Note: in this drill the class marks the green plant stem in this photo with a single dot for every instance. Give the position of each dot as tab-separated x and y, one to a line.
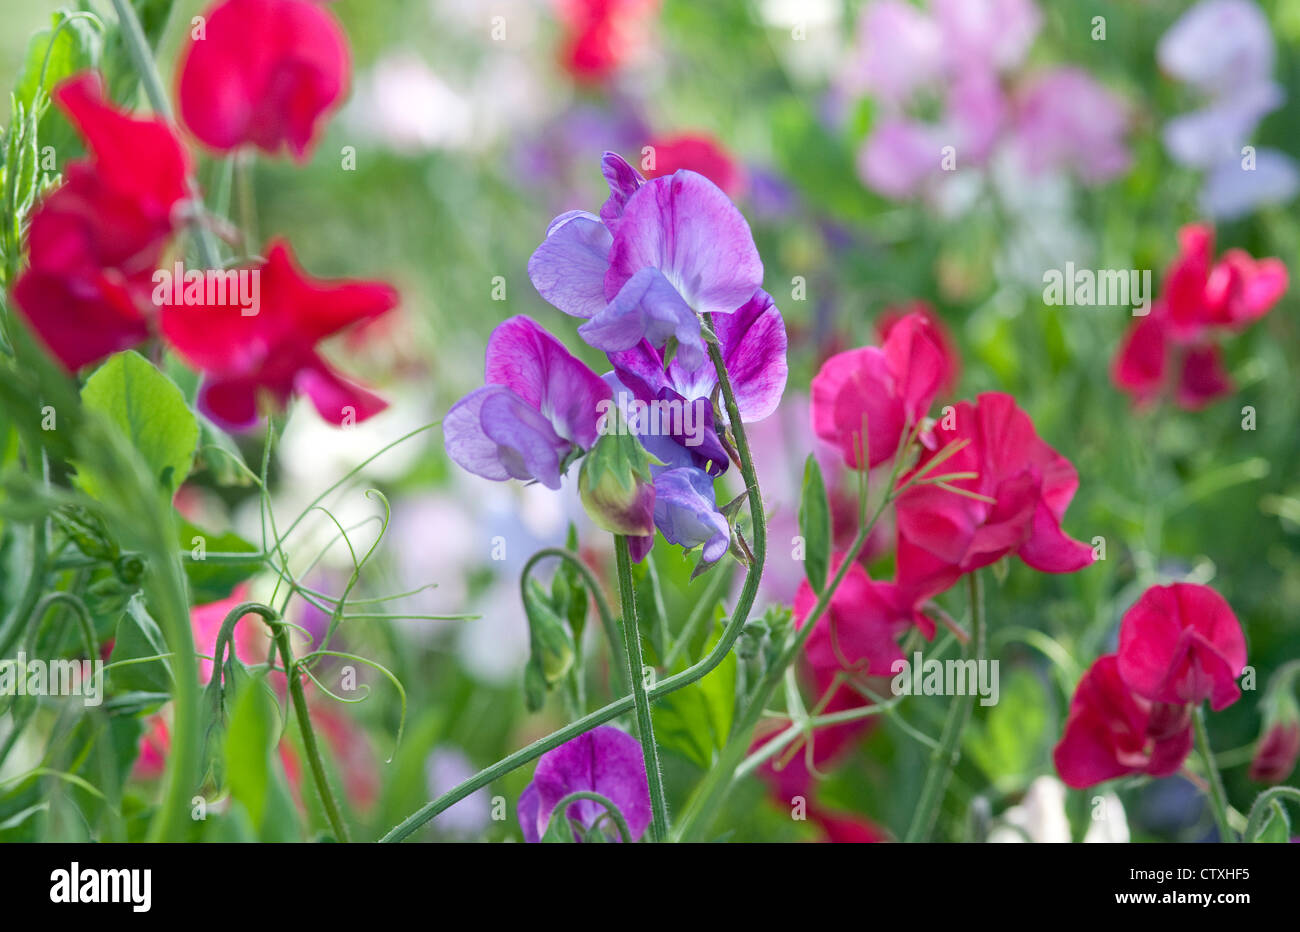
944	758
669	684
640	698
1260	808
147	69
617	659
310	746
1218	798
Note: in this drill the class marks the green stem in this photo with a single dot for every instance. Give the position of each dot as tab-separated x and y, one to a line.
640	698
618	661
611	810
668	684
307	732
1218	798
944	758
1260	809
138	46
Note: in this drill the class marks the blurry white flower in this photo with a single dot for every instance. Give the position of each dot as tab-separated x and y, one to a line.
1040	817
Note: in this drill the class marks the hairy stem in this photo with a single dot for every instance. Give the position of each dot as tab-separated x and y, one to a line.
617	659
1218	798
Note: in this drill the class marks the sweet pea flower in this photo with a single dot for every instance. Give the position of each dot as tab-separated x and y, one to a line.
1065	118
272	353
1200	299
264	72
604	760
1111	731
1024	487
1277	752
602	35
859	630
540	401
96	239
883	390
661	253
1224	50
933	327
1182	644
698	153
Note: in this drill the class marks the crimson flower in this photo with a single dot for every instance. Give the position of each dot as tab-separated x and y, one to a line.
273	352
881	390
600	35
1024	487
96	239
1111	731
1276	754
697	153
1176	344
933	327
264	72
1182	644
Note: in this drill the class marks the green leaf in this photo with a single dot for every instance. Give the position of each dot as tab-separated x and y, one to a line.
212	582
150	411
1006	739
552	644
77	47
138	635
815	525
1277	829
696	721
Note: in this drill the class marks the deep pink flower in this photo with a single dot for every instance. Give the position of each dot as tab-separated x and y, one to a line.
933	327
698	153
1182	644
942	535
264	73
1276	753
273	353
1111	731
601	35
95	241
882	390
859	630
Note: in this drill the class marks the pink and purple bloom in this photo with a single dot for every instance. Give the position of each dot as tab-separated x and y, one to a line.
539	407
606	761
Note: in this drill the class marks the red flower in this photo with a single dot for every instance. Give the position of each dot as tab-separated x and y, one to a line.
95	241
933	328
859	629
1026	487
1276	753
881	389
1111	731
602	34
700	154
263	72
1176	341
1182	644
273	352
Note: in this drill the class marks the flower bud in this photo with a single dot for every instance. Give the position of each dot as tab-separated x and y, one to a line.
615	484
1279	744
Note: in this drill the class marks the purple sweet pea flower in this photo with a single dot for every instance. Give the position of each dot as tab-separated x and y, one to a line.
604	760
660	254
539	402
753	344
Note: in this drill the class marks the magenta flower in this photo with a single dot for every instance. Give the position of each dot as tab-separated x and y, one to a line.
661	253
604	760
540	401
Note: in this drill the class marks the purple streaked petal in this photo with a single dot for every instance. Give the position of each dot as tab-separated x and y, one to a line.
537	367
568	269
684	226
494	433
624	180
753	347
647	308
686	511
527	812
604	760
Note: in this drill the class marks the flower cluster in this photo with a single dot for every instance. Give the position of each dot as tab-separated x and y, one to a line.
263	73
1179	645
960	52
668	265
1174	348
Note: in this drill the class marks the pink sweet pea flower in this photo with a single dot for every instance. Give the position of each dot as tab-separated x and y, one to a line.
1182	644
95	240
1065	118
698	153
1111	731
1024	486
272	353
933	327
263	73
883	391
